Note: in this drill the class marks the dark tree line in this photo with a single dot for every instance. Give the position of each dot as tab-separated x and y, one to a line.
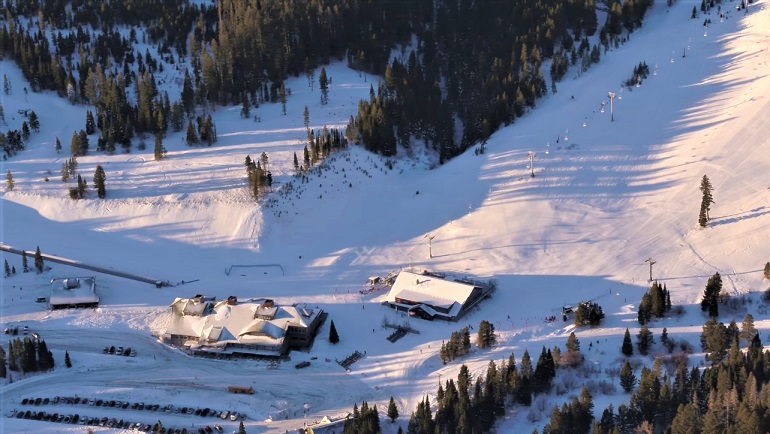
470	405
472	63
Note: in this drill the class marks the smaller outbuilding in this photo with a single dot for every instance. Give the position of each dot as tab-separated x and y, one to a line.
73	292
431	296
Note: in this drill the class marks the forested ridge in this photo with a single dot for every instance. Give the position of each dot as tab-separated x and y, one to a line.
461	69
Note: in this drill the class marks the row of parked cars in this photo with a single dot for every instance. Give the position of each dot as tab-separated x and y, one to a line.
119	351
14	330
107	422
203	412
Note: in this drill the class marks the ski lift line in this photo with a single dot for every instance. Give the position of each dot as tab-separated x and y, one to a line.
74	263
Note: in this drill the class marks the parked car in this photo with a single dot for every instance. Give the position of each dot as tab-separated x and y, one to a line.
301	365
225	414
218	428
26	330
234	415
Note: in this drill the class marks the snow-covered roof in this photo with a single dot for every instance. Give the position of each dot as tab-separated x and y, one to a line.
429	289
73	291
235	323
189	306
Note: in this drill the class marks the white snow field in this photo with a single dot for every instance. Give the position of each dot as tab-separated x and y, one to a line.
605	197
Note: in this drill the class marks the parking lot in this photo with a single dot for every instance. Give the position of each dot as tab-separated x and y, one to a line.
80	405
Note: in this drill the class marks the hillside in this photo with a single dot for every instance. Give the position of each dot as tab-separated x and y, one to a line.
606	196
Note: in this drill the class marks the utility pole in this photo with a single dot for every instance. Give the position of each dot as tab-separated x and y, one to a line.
430	247
532	156
612	108
651	262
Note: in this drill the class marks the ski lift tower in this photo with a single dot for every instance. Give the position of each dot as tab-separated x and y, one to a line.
612	108
430	247
532	156
651	263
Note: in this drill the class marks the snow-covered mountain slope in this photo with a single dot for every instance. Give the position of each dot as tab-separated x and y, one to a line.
606	195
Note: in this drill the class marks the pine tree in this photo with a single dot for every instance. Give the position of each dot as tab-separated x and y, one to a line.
766	271
627	378
75	144
57	145
706	201
282	97
333	336
241	428
710	302
747	328
245	106
25	132
67	361
90	123
306	119
82	188
323	83
7	269
99	182
83	144
34	121
188	93
486	334
9	183
160	151
573	344
192	135
644	340
296	162
3	371
627	348
39	266
24	265
645	309
392	410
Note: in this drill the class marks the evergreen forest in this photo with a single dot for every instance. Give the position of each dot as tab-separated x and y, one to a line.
453	71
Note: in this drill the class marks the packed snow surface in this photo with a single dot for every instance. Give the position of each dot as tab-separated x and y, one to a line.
606	196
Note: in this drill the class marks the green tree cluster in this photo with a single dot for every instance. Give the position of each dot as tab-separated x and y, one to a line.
655	303
458	345
28	355
364	421
588	313
486	335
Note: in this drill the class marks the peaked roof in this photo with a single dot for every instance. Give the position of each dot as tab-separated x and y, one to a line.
429	289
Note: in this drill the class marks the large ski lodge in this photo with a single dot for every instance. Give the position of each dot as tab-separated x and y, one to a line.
232	328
